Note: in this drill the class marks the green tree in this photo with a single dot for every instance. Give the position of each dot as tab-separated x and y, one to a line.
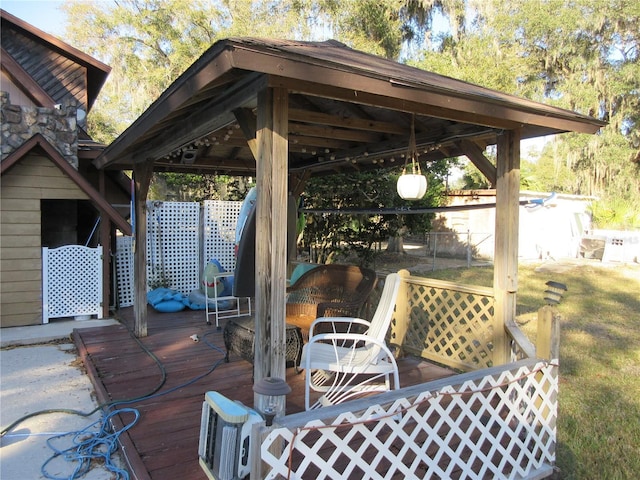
331	234
149	43
580	55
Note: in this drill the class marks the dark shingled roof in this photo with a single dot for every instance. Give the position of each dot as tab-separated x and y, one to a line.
348	110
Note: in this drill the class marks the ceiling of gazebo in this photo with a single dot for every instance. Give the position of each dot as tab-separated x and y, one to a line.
347	111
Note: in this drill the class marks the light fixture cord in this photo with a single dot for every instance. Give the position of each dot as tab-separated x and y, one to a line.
412	152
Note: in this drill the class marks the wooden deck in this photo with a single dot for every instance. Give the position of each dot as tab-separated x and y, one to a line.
164	442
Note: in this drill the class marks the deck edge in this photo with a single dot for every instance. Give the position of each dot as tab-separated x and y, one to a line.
135	465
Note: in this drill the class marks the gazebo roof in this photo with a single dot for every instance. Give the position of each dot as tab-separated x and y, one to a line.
348	111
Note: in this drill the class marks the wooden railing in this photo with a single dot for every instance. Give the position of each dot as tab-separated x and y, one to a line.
494	421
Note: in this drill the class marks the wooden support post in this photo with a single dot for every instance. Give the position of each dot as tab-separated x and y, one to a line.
402	314
142	173
105	240
505	273
271	234
548	334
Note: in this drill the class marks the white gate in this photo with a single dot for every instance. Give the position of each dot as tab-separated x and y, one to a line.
71	282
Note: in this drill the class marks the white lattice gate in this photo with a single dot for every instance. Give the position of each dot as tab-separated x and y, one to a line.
71	282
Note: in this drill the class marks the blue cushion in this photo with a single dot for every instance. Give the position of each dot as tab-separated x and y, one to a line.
169	306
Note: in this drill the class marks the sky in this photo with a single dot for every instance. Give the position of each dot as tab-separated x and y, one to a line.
43	14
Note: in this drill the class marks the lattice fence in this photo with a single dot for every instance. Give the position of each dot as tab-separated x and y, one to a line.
495	423
178	245
449	323
71	282
124	270
173	245
219	221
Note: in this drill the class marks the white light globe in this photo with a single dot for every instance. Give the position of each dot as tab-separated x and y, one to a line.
412	186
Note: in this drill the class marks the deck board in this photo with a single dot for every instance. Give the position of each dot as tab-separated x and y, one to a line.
163	445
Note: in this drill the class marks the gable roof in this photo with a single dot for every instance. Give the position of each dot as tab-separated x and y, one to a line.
56	69
348	110
39	142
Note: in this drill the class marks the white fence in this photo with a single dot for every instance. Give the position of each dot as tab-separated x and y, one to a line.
181	238
71	282
219	221
493	423
173	245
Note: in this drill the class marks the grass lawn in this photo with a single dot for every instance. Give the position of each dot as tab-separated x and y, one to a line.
599	400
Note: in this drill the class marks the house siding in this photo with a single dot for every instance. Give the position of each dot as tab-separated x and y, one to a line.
32	179
14	92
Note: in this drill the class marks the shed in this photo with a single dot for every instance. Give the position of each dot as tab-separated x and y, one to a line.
51	193
284	110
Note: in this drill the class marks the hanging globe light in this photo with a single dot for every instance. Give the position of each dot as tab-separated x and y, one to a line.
412	186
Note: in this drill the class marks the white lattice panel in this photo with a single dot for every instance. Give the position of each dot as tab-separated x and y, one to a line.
72	282
173	245
496	423
124	270
219	231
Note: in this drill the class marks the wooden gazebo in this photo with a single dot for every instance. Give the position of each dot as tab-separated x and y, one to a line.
284	110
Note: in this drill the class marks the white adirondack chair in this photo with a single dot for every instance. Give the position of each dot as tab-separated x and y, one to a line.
344	364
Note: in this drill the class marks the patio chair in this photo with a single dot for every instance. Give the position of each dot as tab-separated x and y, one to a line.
328	291
343	364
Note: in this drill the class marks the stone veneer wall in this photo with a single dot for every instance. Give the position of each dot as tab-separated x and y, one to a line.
57	125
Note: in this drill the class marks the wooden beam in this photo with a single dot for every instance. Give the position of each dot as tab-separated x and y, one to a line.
271	244
482	163
176	95
505	270
342	122
248	124
299	182
384	93
215	114
323	131
142	173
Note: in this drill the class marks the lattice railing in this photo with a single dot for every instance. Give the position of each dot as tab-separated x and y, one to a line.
446	322
496	423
